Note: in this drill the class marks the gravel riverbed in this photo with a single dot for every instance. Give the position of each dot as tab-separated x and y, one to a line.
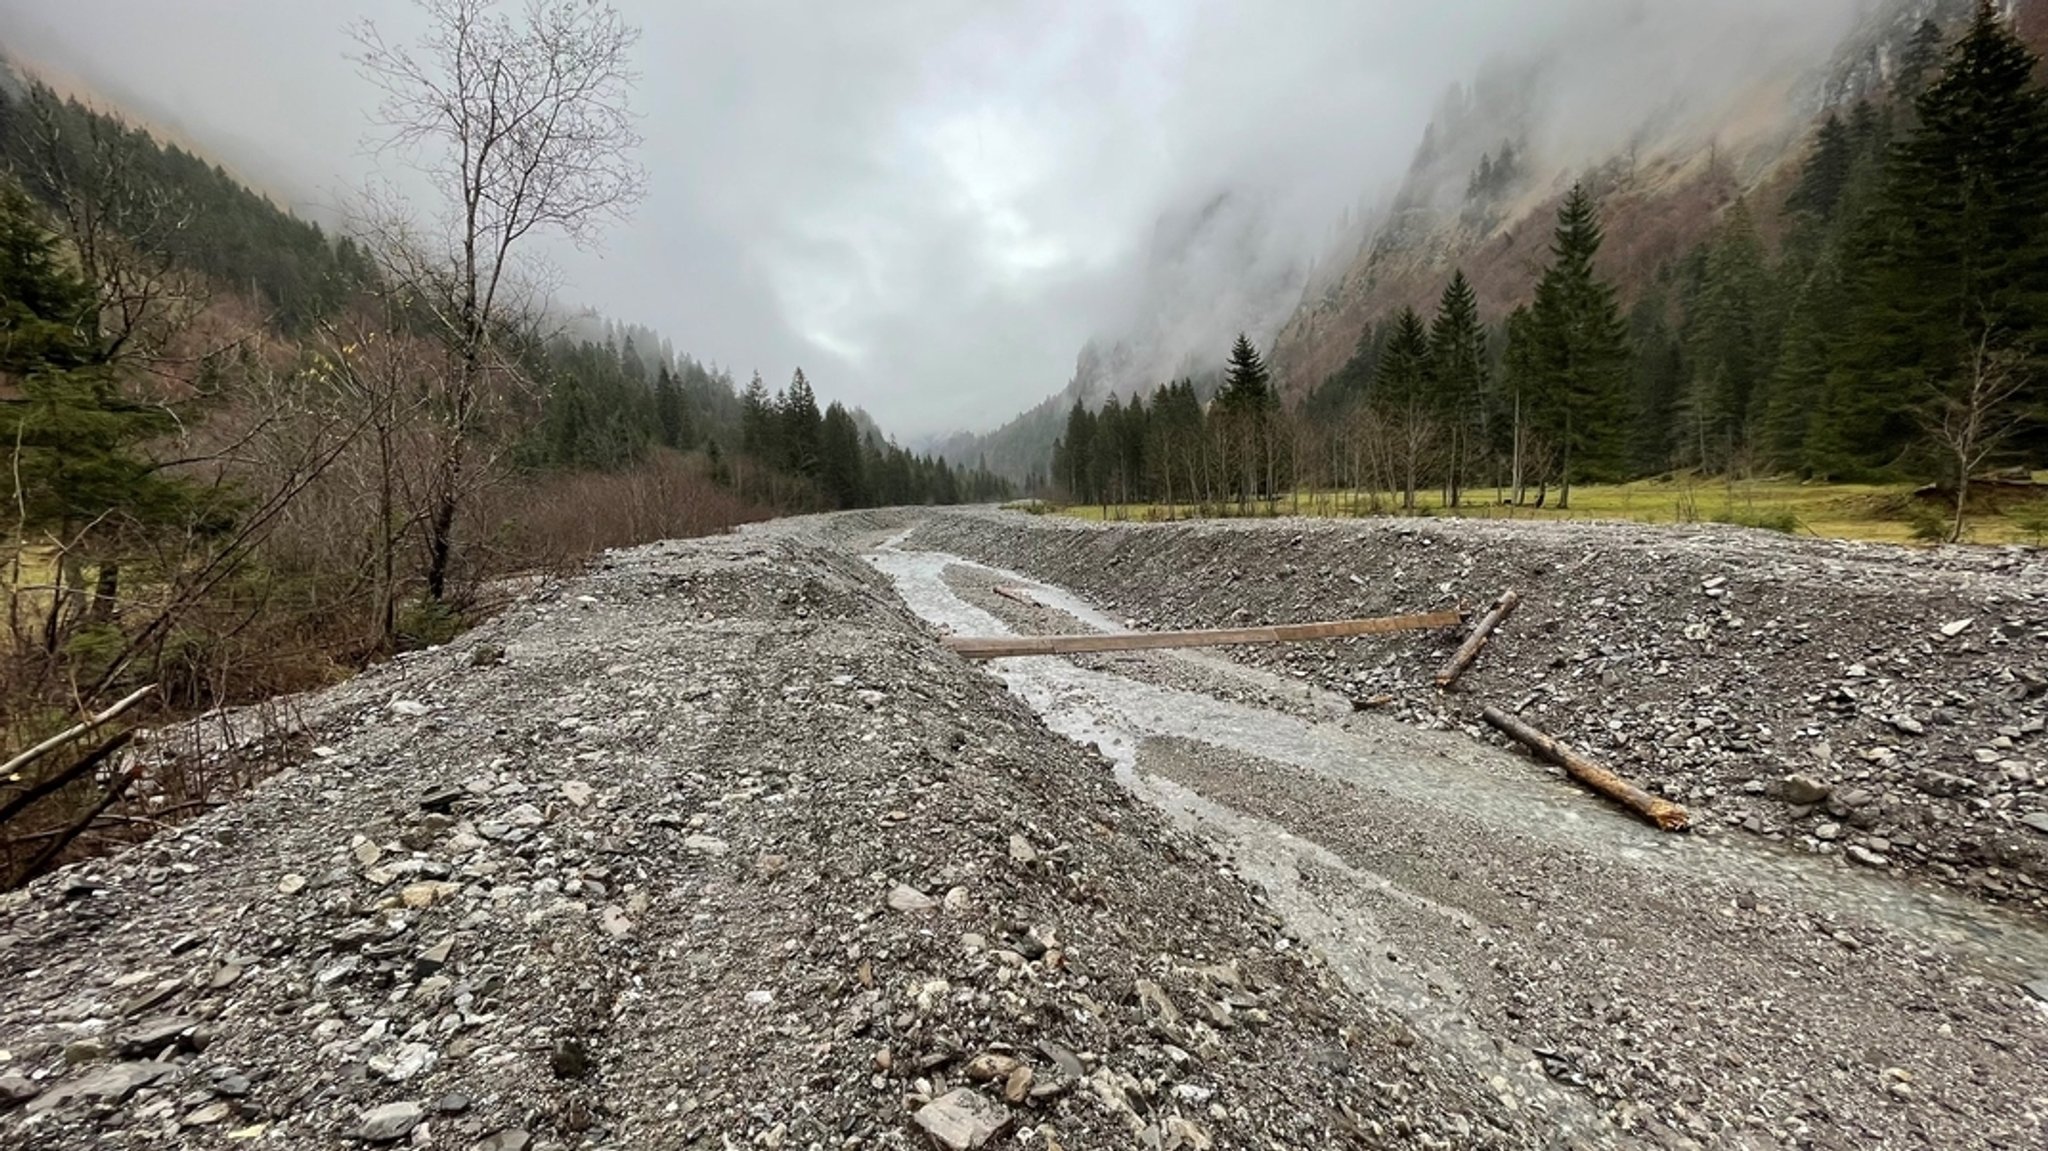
1877	705
711	847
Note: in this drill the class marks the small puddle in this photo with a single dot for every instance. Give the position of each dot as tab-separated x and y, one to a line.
1116	714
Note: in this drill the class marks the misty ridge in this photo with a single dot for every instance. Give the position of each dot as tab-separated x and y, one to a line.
1571	87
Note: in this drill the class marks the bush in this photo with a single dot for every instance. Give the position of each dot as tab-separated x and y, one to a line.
428	623
1928	524
2033	520
1774	520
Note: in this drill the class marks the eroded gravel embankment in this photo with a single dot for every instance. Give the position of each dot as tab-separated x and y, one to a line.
713	847
1874	704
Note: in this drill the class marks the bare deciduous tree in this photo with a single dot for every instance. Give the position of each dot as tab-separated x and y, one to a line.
1972	419
521	123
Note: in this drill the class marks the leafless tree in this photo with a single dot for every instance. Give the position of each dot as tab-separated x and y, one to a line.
521	124
1975	416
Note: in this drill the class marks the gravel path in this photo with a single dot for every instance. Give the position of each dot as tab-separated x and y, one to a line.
713	847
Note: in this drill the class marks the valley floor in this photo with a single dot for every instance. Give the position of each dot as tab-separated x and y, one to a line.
716	846
1891	513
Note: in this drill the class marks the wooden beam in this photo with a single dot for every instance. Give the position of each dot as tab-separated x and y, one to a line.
1020	595
1469	650
1004	647
1662	812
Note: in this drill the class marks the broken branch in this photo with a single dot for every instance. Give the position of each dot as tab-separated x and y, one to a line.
1474	643
1665	814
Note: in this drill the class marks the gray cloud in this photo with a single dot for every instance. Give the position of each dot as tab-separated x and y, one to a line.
931	205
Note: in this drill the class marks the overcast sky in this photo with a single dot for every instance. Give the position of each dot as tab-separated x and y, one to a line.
927	205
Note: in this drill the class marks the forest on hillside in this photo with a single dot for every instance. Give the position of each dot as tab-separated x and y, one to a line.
1888	324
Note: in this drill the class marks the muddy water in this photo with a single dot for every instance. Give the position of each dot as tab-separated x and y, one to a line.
1117	714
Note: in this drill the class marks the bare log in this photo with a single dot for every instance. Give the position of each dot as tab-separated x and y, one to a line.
1476	642
1019	595
1663	813
58	740
1002	647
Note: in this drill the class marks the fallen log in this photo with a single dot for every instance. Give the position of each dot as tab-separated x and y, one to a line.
1003	647
1474	643
1017	594
1663	813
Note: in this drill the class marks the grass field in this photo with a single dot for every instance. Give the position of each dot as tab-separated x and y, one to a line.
1881	512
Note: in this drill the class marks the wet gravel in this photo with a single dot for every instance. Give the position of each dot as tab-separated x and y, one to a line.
1880	706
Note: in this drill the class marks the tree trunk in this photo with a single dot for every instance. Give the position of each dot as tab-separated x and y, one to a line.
1517	467
387	592
1955	533
106	590
441	524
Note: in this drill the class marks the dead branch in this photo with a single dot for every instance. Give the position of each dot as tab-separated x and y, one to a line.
1664	814
1476	642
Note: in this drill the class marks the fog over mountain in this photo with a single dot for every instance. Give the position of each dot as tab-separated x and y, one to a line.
931	207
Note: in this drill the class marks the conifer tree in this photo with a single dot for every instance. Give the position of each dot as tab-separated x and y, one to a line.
668	409
1247	385
1826	172
1579	358
1403	396
1800	379
77	470
758	427
841	472
1457	353
1922	54
802	427
1660	377
1733	335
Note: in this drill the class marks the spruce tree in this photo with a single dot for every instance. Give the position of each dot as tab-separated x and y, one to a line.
78	470
1826	172
1799	383
1660	378
1073	454
1732	336
1457	354
802	427
1922	54
841	473
1402	396
1247	385
1580	356
668	408
758	426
